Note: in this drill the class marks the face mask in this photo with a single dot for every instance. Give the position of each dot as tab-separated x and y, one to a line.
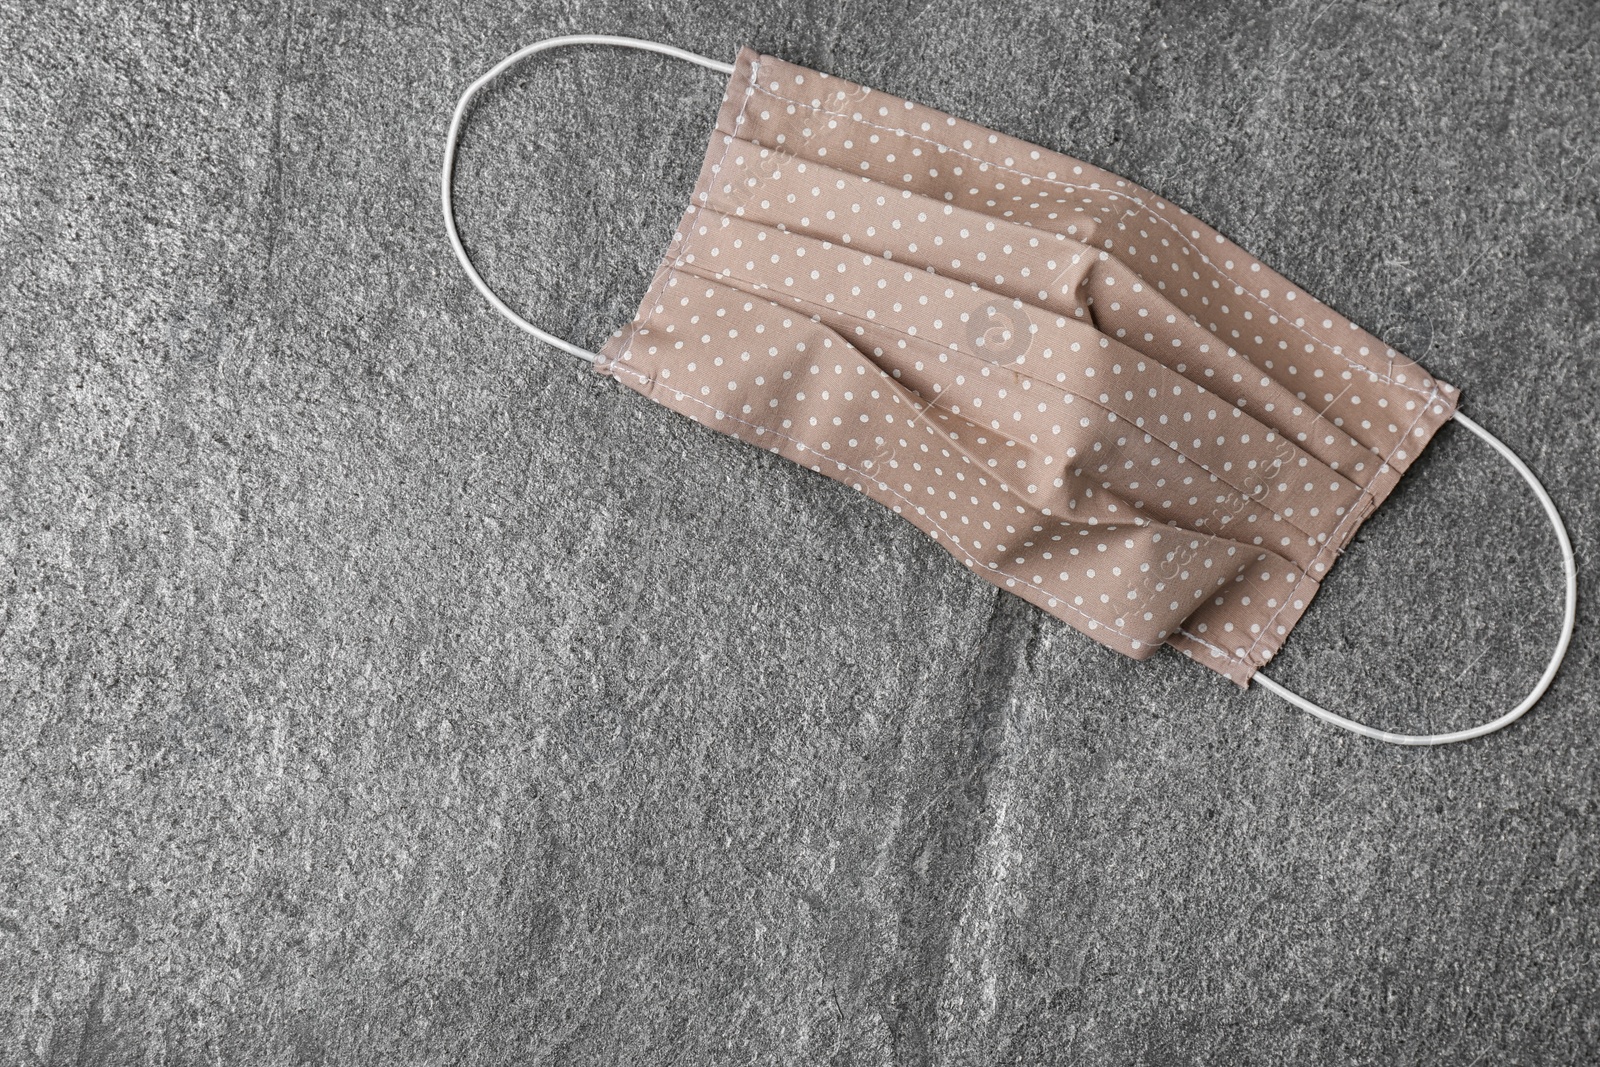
1089	397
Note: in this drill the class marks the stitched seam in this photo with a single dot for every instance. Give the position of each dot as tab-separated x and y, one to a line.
1331	548
1126	196
1327	549
1197	639
688	230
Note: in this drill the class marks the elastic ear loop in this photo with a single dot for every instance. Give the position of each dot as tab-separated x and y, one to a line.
1568	562
1568	621
447	179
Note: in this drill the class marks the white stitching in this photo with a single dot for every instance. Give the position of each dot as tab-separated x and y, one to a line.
1333	538
1330	547
689	225
1219	653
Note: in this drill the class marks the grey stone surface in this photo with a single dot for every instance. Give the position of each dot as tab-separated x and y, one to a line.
380	687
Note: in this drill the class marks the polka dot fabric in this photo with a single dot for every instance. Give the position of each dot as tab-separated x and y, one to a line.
1088	396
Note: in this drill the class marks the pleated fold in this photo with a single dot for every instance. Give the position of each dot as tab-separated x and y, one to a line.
1087	396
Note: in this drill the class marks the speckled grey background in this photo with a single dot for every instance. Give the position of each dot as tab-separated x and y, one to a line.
380	687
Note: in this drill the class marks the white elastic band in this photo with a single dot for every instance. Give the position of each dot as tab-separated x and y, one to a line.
448	177
1568	562
1568	621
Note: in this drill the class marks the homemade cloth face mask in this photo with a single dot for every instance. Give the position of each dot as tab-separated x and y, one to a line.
1089	397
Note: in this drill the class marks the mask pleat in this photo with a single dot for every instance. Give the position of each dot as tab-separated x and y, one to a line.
1066	375
1083	392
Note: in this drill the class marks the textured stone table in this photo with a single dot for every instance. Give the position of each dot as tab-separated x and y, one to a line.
378	686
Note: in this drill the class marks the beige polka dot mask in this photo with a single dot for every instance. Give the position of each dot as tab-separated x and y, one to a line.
1088	396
